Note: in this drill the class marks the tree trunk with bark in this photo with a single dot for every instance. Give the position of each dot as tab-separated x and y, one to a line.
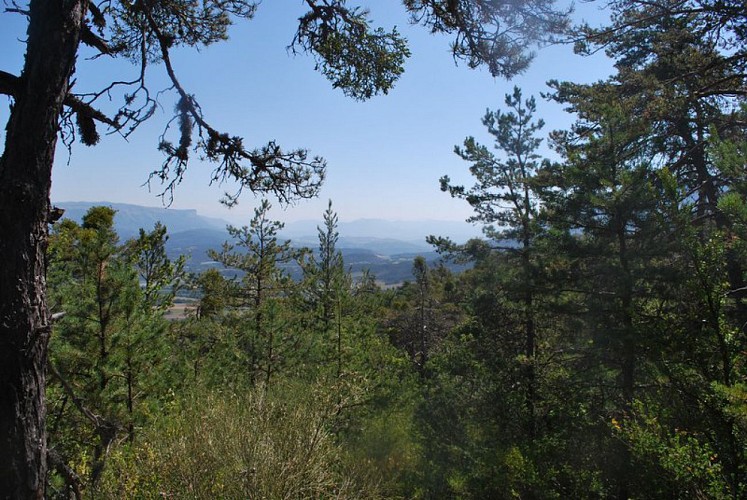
25	182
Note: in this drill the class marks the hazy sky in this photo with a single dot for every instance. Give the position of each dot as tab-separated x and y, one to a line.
385	155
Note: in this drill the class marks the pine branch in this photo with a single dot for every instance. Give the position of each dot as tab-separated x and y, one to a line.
10	85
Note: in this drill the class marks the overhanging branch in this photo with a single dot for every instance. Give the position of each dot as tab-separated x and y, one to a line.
10	85
289	175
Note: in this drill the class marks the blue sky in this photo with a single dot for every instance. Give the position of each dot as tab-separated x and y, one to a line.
385	155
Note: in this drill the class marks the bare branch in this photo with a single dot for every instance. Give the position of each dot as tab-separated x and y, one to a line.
86	115
16	9
9	84
287	174
89	38
70	476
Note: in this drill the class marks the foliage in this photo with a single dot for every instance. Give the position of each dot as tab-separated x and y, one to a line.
253	444
160	277
359	60
503	197
263	284
594	349
107	350
496	35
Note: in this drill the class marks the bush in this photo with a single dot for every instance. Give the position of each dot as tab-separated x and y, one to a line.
259	444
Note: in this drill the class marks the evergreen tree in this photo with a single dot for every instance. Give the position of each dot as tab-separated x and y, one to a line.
605	196
155	270
260	259
106	349
215	291
324	272
680	67
423	312
505	202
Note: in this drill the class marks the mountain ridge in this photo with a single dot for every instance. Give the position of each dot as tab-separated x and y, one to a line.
131	217
388	253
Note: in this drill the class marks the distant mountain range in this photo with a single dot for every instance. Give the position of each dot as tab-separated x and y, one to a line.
130	218
385	248
411	231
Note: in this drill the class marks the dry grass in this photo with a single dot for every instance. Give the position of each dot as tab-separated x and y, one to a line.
253	445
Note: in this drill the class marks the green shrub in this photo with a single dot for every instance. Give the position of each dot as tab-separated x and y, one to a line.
258	444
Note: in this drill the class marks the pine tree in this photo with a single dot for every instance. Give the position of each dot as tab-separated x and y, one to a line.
680	75
505	201
107	347
156	271
324	272
259	255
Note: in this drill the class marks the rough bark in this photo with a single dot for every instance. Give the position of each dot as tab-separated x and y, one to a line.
25	182
628	361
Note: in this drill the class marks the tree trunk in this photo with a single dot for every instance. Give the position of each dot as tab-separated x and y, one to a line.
628	361
25	181
530	346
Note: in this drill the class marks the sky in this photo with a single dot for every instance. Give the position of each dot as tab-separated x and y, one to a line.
385	155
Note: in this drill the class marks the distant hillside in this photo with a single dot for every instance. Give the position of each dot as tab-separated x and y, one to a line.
385	246
409	231
387	252
389	260
195	244
130	218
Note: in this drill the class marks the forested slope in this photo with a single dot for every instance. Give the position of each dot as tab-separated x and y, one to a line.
600	356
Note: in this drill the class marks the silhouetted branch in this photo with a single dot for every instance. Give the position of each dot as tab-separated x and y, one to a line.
287	174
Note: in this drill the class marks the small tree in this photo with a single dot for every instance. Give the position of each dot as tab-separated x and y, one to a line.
325	288
263	279
506	202
110	338
159	276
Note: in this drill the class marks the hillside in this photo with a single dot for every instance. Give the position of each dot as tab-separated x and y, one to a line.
130	218
385	248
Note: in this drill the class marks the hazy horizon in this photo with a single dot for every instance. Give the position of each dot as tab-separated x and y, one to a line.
412	230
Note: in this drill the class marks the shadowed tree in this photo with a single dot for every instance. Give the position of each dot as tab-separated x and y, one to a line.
505	201
679	85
